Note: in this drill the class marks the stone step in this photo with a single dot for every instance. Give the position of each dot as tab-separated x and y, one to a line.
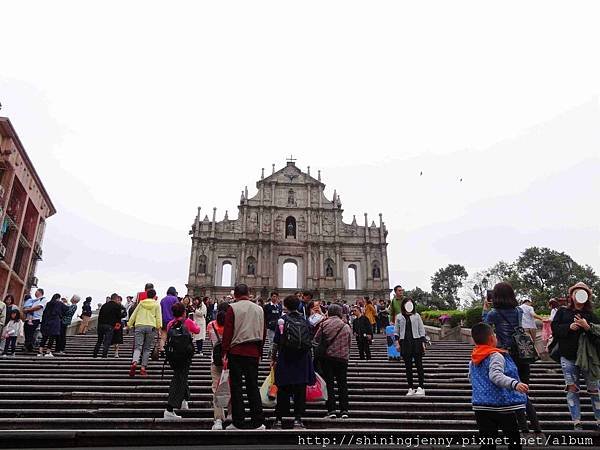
75	399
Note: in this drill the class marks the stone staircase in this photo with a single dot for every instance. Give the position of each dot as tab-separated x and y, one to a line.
75	400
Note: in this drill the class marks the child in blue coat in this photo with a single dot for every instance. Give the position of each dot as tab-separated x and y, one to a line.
497	390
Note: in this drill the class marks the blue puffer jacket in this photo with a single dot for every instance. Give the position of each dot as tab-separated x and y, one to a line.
505	321
493	391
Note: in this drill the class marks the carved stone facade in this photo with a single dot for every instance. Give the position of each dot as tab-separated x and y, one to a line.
289	221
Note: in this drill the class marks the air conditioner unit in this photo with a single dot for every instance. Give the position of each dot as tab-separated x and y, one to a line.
2	251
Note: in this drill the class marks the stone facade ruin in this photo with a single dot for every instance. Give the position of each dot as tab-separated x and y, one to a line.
289	222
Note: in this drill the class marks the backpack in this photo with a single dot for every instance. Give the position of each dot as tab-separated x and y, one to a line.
179	347
297	335
217	352
523	347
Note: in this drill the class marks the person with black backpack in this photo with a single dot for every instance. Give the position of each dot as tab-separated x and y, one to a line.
179	351
293	364
507	317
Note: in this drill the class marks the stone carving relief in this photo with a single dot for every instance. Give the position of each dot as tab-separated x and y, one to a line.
291	198
252	222
266	227
328	227
279	225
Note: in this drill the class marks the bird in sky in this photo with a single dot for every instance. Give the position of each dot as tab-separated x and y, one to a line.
421	173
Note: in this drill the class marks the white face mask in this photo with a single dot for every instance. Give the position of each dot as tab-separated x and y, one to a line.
409	307
581	296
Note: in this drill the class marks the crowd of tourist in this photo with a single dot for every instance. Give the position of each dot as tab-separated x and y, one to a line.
307	338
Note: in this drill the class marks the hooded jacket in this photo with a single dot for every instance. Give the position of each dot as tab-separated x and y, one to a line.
147	313
494	377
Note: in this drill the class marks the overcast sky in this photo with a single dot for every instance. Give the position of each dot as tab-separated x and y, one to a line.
136	113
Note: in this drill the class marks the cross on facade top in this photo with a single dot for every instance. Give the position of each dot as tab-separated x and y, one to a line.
291	159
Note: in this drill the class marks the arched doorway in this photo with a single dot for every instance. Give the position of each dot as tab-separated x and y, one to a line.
290	274
352	270
226	273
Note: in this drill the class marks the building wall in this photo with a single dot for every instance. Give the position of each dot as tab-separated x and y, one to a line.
25	206
261	240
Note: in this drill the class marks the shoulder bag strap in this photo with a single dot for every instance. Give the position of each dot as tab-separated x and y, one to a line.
217	333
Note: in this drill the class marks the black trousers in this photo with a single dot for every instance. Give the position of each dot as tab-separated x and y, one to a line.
529	413
364	347
30	331
489	422
179	389
336	373
48	341
105	334
244	367
9	346
298	392
408	365
61	340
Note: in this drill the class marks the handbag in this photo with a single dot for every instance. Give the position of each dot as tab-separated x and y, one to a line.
318	391
267	387
217	352
553	350
223	393
523	348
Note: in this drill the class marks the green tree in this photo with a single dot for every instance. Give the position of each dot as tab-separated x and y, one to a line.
424	299
475	288
445	284
543	273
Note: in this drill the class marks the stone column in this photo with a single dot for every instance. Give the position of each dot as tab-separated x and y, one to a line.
259	263
369	275
321	271
214	223
243	267
211	269
273	272
193	259
339	281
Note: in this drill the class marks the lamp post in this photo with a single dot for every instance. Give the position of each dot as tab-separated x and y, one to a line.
481	289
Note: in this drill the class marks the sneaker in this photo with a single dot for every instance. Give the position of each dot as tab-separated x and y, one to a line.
260	427
60	353
184	405
116	354
200	354
578	426
420	392
40	354
4	355
331	415
344	415
298	425
49	355
143	372
410	392
132	369
276	425
232	427
168	415
218	425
